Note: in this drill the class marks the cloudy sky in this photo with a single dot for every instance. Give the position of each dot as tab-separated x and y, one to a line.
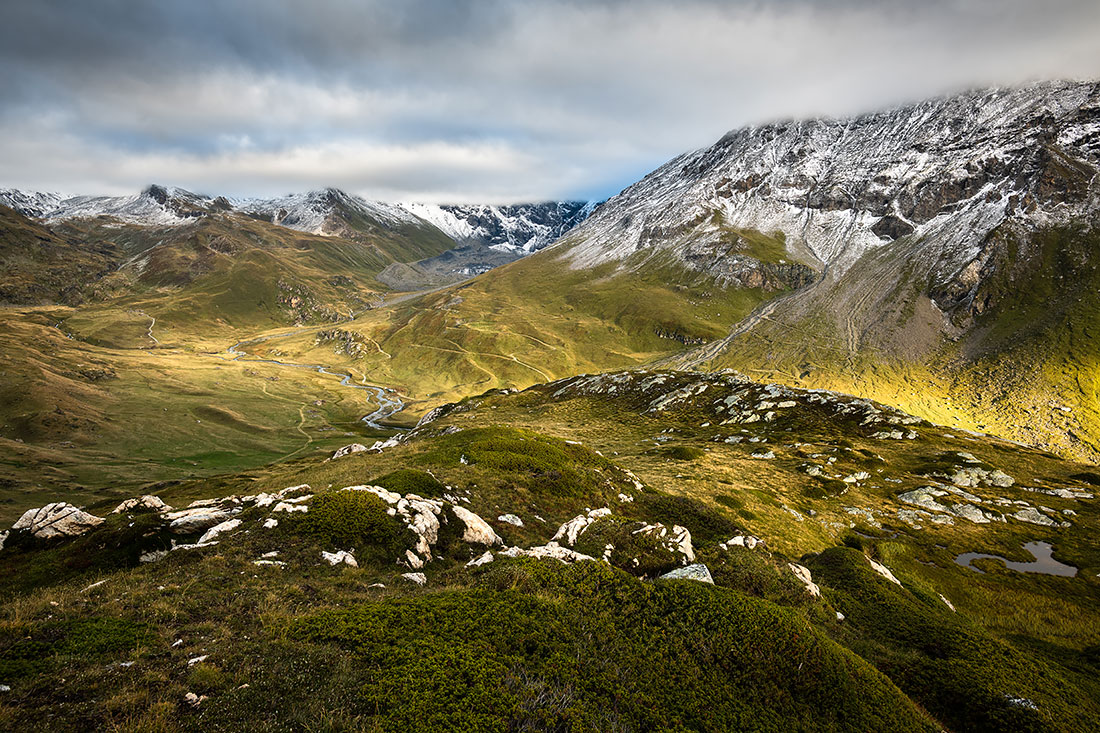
460	101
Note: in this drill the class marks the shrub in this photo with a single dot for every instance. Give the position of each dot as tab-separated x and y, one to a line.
346	519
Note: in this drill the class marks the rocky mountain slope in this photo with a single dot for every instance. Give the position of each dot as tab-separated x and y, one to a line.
483	236
939	256
630	551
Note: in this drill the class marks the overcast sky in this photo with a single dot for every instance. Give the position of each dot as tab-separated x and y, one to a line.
491	101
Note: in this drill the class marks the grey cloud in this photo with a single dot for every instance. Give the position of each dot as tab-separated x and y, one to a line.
547	99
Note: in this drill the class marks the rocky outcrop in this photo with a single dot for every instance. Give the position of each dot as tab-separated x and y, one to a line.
146	503
697	571
56	520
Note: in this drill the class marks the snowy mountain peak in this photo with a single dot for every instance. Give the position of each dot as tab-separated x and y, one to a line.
953	168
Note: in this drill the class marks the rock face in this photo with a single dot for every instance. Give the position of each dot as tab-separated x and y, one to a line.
56	520
953	168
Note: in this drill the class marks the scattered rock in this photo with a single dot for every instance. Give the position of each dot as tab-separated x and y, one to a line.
271	523
484	559
153	556
347	450
576	526
217	529
193	700
516	521
59	519
550	550
946	602
478	531
142	503
803	573
188	521
418	578
197	660
340	556
883	571
1033	516
697	571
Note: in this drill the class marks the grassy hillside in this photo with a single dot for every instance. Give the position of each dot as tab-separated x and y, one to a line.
533	320
536	644
1010	353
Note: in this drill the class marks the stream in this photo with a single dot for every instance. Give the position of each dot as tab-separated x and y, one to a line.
1044	561
388	401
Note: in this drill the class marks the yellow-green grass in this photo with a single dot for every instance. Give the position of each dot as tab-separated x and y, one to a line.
82	421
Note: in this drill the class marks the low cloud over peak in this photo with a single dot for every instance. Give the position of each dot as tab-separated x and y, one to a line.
472	101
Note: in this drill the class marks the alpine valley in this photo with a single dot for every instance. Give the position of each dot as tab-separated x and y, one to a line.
798	432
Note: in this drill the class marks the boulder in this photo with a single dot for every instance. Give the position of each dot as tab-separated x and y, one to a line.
803	573
217	529
478	531
418	578
698	571
340	556
146	503
347	450
56	520
197	519
517	522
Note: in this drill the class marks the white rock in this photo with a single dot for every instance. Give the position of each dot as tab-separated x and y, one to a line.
56	520
146	502
803	573
272	563
1033	516
94	585
946	602
484	559
197	660
273	553
697	571
193	700
576	526
839	616
3	538
271	523
478	531
347	450
153	556
767	456
340	556
289	508
186	521
5	688
380	445
413	560
418	578
510	519
217	529
551	550
883	571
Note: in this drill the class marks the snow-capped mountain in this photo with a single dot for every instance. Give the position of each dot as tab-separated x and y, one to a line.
154	206
515	229
948	169
317	212
520	228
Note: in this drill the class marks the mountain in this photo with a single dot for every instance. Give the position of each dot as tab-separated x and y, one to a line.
940	256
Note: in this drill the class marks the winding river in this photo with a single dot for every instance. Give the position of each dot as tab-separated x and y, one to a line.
388	401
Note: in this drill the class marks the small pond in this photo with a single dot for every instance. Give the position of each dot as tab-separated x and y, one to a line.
1044	562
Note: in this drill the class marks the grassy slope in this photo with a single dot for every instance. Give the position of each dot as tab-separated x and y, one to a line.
533	320
1008	369
539	645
